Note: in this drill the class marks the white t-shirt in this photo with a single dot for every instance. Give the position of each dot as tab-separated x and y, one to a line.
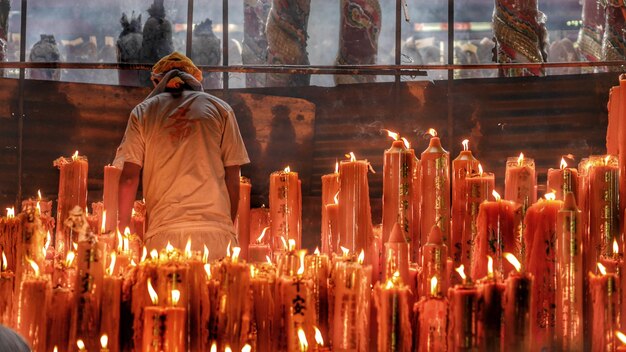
183	144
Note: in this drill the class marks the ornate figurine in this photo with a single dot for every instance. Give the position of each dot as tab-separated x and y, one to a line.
592	30
614	40
207	50
129	48
45	50
254	50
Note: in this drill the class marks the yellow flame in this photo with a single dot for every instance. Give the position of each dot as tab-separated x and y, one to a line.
351	156
55	349
393	135
34	266
621	337
260	238
10	213
126	243
432	132
301	254
317	251
154	254
246	348
433	285
602	269
144	254
175	297
132	262
520	159
336	198
227	349
268	259
104	221
615	246
169	248
550	196
465	144
69	258
80	344
75	156
228	250
252	271
207	270
205	254
236	251
287	169
489	266
188	248
461	271
112	265
496	195
133	213
39	194
389	284
607	159
48	241
120	241
104	341
304	344
75	245
292	244
153	295
480	169
284	241
4	261
336	167
563	164
213	347
513	260
361	257
319	339
345	251
38	208
127	231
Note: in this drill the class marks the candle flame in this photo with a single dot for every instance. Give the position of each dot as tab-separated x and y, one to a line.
126	243
235	256
268	259
175	297
55	349
489	266
301	254
260	238
361	257
112	265
351	156
520	159
461	271
169	248
48	241
154	254
621	337
69	258
153	295
407	145
188	249
336	198
38	207
252	271
433	285
287	169
80	344
144	254
10	213
317	251
292	244
336	167
132	262
319	339
345	251
480	169
75	245
563	163
602	269
615	246
246	348
465	144
75	156
39	194
550	196
4	261
104	341
104	221
205	254
513	260
133	213
213	347
207	270
120	241
432	132
228	250
34	266
393	135
606	160
304	344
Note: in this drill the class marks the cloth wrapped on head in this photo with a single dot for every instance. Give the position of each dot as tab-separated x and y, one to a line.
175	61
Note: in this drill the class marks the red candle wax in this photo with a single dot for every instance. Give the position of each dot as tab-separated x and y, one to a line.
332	225
563	180
431	316
520	183
397	255
295	310
435	255
603	206
605	302
394	325
109	196
59	313
490	312
517	304
397	189
416	194
330	187
72	192
462	318
259	220
242	221
262	286
31	312
165	329
285	205
110	315
478	189
463	166
6	296
317	267
355	219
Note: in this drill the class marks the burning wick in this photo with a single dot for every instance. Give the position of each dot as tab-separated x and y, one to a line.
75	156
550	196
461	271
621	337
480	170
260	238
602	269
80	344
104	341
304	344
407	145
489	267
287	169
336	167
318	336
615	249
351	156
513	260
496	195
360	259
153	295
432	132
563	164
433	286
393	135
465	144
301	254
520	159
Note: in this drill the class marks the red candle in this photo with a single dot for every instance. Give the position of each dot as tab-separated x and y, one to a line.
10	233
332	219
478	188
110	315
242	221
318	270
463	166
59	314
355	220
462	317
72	192
416	206
262	283
285	205
164	328
397	188
563	180
330	187
497	224
621	139
435	191
540	237
613	129
605	302
394	325
7	279
31	310
198	297
569	285
259	220
431	315
109	197
30	243
603	206
520	182
435	255
397	255
517	303
490	311
259	251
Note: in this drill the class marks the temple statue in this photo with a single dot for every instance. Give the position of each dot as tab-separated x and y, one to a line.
592	30
520	35
207	51
254	49
614	40
157	38
287	40
129	49
358	37
45	50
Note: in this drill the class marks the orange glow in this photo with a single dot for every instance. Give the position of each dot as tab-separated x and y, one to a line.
336	198
112	265
607	159
34	266
563	164
513	260
361	257
304	344
496	195
228	250
621	337
38	207
104	341
292	244
188	253
235	256
319	339
39	195
69	258
80	344
602	269
465	144
550	196
153	295
432	132
407	145
615	246
10	213
345	251
433	285
336	167
317	251
287	169
461	271
213	347
207	270
351	156
205	254
75	156
489	266
301	254
246	348
154	254
480	169
104	221
252	271
260	238
144	254
520	159
393	135
120	241
175	297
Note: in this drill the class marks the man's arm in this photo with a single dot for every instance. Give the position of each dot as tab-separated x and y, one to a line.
129	181
231	176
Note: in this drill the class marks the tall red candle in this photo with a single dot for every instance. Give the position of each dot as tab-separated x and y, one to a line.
109	196
394	325
603	206
490	311
285	208
396	257
462	317
330	187
435	254
435	190
463	166
318	270
431	317
605	297
242	221
72	192
562	180
520	182
31	310
259	220
478	189
569	285
416	205
517	302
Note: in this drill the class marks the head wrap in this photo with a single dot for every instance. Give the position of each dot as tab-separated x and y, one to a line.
175	61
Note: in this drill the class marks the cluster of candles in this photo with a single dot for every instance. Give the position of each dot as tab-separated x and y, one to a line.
452	267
